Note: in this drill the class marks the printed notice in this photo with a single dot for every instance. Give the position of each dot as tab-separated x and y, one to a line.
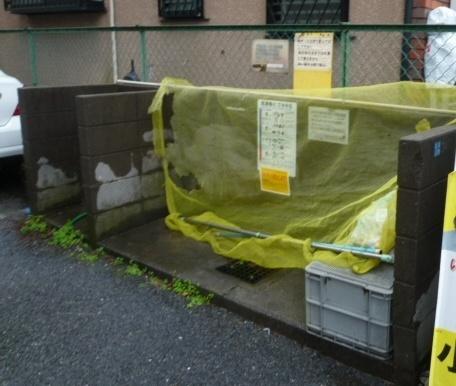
277	135
275	181
270	55
313	51
329	125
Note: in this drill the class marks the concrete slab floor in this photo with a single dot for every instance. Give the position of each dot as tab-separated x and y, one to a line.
277	301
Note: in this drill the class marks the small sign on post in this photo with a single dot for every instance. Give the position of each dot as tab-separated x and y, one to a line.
313	56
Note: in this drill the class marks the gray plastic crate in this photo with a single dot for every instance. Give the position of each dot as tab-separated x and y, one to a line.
350	309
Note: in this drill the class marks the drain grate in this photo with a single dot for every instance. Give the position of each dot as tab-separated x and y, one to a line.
246	271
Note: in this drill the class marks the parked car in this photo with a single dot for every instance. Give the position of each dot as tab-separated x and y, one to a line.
10	122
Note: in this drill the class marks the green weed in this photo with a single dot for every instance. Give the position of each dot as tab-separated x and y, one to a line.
35	224
119	261
67	236
90	256
133	269
191	292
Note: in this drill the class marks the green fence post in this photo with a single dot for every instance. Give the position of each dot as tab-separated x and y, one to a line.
144	56
32	52
346	57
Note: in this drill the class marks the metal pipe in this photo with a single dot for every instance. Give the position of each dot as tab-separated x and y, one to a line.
355	250
258	235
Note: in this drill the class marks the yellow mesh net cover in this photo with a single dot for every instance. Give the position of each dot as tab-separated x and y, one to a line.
212	172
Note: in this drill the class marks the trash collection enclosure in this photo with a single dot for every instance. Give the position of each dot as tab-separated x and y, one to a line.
301	166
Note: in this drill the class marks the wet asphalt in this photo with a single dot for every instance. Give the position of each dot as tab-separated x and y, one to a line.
65	322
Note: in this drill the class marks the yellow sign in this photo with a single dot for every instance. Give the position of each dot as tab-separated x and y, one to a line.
443	360
443	368
275	181
313	56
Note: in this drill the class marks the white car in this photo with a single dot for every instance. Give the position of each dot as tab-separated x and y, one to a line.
10	121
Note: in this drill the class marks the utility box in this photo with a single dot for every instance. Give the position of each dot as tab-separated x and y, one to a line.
349	309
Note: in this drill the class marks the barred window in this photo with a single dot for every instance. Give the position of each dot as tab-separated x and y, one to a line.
181	9
307	11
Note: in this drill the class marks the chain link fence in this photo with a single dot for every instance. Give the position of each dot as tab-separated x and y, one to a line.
214	55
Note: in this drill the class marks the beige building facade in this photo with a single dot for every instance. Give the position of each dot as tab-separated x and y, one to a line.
203	57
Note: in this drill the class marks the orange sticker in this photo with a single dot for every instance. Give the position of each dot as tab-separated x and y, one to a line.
275	181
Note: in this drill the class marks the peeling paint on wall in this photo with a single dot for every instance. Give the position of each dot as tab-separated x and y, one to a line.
147	136
131	187
150	162
50	176
104	173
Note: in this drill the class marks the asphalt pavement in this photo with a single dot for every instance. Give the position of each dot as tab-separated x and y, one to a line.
65	322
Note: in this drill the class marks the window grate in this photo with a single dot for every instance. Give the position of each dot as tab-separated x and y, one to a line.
181	9
246	271
53	6
307	11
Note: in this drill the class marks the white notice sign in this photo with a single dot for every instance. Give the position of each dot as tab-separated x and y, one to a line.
313	51
277	135
329	125
270	55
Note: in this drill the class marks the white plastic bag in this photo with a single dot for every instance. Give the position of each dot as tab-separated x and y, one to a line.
376	225
440	57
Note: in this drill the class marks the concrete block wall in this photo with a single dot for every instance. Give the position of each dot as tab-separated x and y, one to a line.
51	145
425	160
122	178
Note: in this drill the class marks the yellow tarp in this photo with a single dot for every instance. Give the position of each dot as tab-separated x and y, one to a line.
212	174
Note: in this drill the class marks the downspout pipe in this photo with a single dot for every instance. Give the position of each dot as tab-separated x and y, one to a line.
408	18
112	23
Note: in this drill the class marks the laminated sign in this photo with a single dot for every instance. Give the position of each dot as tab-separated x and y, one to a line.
313	56
277	121
443	361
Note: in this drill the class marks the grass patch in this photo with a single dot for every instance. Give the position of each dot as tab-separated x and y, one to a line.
118	261
35	224
134	269
191	292
67	236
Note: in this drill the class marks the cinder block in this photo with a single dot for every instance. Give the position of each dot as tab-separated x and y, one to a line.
113	194
418	211
51	174
417	260
35	100
124	191
411	347
52	149
95	110
426	158
49	125
143	101
145	132
411	302
152	185
97	170
44	200
168	110
124	218
109	138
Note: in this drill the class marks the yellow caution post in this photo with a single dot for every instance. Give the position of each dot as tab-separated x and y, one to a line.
443	361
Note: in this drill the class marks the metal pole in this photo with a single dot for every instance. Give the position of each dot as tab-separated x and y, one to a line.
144	56
112	22
346	56
32	52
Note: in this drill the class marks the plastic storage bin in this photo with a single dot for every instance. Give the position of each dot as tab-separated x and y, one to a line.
350	309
